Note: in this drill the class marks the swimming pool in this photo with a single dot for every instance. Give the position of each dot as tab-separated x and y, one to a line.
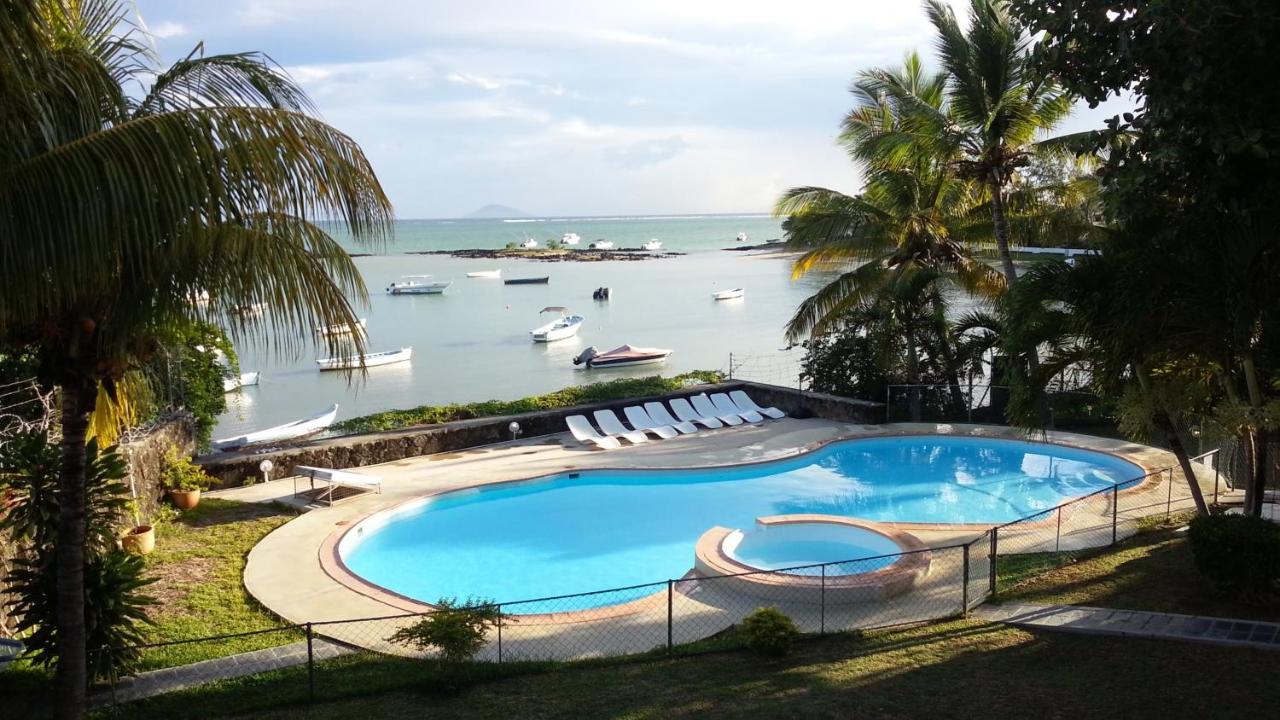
586	531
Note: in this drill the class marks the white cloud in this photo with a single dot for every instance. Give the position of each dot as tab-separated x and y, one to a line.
168	29
473	80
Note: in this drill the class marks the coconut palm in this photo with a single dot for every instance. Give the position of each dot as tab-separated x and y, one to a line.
126	191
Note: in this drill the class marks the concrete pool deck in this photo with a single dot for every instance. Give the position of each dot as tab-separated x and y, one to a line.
285	573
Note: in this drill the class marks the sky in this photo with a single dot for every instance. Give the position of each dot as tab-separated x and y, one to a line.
567	107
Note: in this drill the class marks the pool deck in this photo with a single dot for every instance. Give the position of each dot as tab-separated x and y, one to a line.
286	574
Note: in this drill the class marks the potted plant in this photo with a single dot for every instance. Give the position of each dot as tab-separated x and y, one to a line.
140	539
183	480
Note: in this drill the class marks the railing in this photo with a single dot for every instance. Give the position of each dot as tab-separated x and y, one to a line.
983	403
782	368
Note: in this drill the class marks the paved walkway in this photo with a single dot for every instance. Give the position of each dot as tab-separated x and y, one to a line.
1136	623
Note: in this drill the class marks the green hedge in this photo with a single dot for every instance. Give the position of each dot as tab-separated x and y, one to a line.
577	395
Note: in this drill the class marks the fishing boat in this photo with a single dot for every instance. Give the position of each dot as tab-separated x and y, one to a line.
529	244
485	274
729	294
602	245
361	327
417	285
562	328
248	379
279	433
570	239
386	357
527	281
621	356
742	237
654	244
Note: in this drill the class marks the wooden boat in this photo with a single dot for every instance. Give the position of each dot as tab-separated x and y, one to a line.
279	433
621	356
729	294
527	281
387	357
343	329
562	328
485	274
245	380
417	285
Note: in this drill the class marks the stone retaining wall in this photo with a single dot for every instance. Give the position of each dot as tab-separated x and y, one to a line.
232	469
145	453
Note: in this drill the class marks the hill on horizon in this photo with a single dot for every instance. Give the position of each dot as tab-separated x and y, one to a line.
497	212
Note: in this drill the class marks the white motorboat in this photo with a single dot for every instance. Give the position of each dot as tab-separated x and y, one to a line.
417	285
344	329
742	237
485	274
562	328
288	431
529	244
602	245
729	294
386	357
248	379
621	356
570	239
654	244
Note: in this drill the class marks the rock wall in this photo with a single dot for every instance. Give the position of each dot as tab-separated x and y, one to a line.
232	469
145	453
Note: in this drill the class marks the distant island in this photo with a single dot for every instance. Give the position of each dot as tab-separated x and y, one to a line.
497	212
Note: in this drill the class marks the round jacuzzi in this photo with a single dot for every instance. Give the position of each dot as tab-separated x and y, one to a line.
793	557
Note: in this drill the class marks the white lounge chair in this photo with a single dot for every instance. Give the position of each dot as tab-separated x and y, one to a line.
580	428
660	414
685	412
613	427
704	408
726	407
640	420
744	401
335	480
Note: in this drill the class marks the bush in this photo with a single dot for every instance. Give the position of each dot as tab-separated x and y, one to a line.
1239	554
769	632
456	631
181	475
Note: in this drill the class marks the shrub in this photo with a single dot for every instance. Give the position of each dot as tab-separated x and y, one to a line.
456	631
181	475
769	632
1239	554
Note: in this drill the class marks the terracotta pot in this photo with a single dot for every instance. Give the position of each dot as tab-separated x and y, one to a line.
185	500
140	540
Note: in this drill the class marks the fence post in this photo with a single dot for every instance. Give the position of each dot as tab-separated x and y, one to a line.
1217	457
111	675
499	634
1057	540
311	666
1115	510
964	593
995	538
1168	504
822	603
730	366
670	596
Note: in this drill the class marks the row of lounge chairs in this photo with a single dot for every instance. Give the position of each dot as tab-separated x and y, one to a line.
710	411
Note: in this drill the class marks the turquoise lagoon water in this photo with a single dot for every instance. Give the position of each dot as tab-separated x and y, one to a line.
607	529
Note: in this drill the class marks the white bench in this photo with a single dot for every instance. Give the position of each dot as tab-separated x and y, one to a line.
335	479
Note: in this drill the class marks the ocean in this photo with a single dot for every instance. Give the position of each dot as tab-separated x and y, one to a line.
472	342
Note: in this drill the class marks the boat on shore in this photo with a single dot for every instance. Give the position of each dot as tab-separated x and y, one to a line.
386	357
621	356
417	285
733	294
485	274
654	244
248	379
570	239
361	327
562	328
602	245
528	281
288	431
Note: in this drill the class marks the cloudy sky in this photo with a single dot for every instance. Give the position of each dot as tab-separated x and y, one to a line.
568	107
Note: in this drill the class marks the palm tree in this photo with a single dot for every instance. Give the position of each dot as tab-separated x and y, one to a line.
127	190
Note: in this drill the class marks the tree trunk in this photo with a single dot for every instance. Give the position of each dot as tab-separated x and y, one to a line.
1257	456
1184	462
72	678
913	378
1001	226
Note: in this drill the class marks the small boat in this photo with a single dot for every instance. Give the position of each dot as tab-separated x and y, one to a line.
343	329
529	244
386	357
248	379
742	237
527	281
729	294
621	356
417	285
773	241
288	431
485	274
250	310
570	239
562	328
602	245
602	293
654	244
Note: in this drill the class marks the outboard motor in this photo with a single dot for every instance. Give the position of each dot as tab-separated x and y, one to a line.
586	355
602	293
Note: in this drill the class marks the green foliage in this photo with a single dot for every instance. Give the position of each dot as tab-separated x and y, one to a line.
1240	554
455	630
181	475
577	395
188	373
553	244
513	245
769	632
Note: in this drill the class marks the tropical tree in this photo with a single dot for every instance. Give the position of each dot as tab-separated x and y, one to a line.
127	192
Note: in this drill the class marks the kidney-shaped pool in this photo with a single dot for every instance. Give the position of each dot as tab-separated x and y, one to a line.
587	531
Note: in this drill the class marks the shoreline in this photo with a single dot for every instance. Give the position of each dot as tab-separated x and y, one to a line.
557	255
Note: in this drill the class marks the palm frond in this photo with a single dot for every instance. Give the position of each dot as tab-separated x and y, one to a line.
240	79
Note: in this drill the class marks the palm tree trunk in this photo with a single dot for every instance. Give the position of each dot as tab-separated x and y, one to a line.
1184	462
72	680
1257	455
913	377
1000	224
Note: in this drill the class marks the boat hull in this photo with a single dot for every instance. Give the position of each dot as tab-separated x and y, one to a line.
728	294
527	281
433	289
389	357
549	333
245	380
485	274
280	433
606	364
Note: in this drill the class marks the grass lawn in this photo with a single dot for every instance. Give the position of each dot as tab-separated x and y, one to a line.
960	669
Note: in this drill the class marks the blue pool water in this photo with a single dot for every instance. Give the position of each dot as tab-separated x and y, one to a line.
606	529
797	552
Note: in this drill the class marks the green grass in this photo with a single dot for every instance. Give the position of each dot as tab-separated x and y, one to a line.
619	389
959	669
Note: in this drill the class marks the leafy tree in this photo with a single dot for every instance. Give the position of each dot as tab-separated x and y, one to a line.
118	208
